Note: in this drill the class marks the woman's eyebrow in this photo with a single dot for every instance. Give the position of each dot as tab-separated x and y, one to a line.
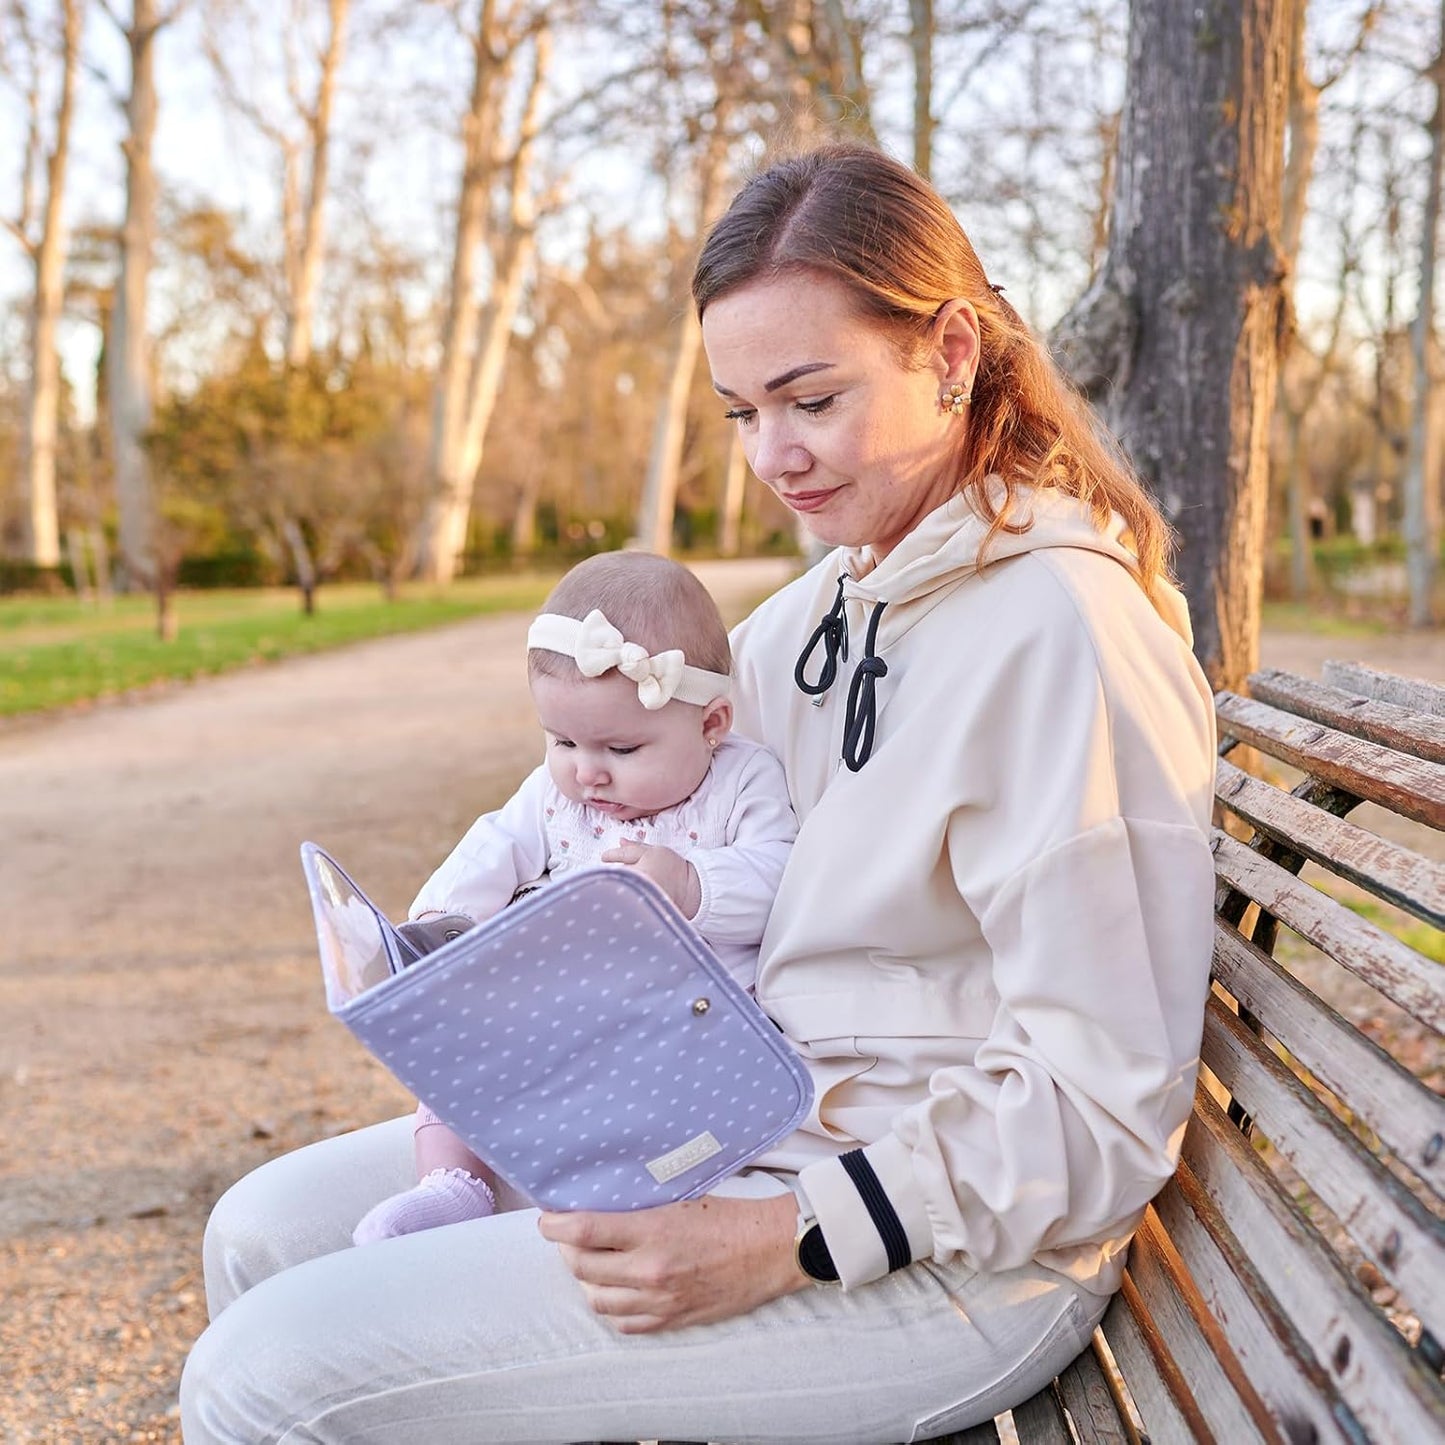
806	369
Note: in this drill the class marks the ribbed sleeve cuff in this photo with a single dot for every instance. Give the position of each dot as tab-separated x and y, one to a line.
870	1209
702	920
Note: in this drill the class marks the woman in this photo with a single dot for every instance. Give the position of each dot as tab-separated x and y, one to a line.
991	943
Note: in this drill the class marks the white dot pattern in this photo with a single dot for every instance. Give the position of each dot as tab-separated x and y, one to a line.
569	1077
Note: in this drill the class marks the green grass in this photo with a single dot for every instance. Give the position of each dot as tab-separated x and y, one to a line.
1321	622
59	651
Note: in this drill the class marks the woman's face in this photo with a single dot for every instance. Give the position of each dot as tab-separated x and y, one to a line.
854	441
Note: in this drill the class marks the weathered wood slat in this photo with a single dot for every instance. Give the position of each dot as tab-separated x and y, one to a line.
985	1434
1386	1385
1269	1348
1091	1405
1386	723
1383	868
1040	1420
1409	1119
1411	692
1211	1402
1415	983
1406	785
1403	1238
1159	1390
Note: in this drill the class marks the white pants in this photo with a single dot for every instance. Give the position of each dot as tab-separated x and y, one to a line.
476	1333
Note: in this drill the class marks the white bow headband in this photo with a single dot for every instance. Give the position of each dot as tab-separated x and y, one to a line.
597	646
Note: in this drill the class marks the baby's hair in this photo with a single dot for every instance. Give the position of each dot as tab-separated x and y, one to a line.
650	600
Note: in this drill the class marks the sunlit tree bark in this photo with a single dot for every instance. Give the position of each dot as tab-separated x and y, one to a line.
45	247
473	345
129	379
1181	332
1421	521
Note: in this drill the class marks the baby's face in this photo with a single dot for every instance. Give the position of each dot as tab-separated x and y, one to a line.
606	750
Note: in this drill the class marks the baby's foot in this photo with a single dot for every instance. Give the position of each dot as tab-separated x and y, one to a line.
445	1196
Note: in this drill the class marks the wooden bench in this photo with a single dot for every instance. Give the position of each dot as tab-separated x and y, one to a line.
1288	1284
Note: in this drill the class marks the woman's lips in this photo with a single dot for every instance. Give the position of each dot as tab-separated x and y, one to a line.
806	501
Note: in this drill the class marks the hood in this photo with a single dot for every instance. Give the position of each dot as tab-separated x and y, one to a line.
943	550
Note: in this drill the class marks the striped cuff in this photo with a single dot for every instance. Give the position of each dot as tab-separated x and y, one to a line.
871	1211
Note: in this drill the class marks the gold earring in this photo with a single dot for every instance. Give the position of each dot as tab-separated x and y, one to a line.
954	398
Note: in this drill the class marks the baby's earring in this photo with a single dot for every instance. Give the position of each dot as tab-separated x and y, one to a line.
953	398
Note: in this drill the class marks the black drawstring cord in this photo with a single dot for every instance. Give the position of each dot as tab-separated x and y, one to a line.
862	714
832	632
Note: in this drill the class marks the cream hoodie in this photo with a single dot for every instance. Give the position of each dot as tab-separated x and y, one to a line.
992	941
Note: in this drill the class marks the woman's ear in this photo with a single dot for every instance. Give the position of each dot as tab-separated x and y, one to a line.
956	339
717	721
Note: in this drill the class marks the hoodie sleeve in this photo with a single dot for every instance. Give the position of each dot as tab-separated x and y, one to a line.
500	851
740	880
1091	879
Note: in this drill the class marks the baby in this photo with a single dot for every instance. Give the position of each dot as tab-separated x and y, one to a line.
629	668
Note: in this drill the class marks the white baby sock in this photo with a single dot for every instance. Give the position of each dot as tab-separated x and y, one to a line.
445	1196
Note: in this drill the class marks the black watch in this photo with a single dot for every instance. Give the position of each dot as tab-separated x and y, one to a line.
811	1251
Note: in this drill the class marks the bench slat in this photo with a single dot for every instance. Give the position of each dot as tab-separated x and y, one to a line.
1403	1238
1406	785
1211	1402
1158	1389
1381	867
1380	722
1040	1420
1409	1119
1270	1349
1415	983
1414	693
1386	1384
1090	1403
985	1434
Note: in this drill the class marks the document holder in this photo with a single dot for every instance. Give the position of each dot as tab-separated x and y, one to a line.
585	1042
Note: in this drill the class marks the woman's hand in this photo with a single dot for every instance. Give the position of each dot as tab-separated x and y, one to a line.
681	1264
670	871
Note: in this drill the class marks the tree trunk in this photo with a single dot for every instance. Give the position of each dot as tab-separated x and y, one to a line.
1304	138
301	314
659	492
129	379
920	41
301	559
735	483
42	421
1185	318
437	556
511	276
1421	512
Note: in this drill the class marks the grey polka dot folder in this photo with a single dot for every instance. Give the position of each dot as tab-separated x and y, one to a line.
585	1042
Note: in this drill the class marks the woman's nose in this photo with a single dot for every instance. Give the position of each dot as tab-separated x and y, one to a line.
776	453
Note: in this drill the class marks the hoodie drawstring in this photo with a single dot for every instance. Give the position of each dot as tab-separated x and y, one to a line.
832	632
861	718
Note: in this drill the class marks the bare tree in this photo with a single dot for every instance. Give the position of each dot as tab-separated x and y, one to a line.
45	246
303	140
1301	384
1421	521
920	45
1183	326
129	380
474	341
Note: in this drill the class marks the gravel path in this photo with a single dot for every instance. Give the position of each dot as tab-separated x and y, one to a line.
161	1023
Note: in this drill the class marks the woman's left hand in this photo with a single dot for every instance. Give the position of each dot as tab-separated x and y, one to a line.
681	1264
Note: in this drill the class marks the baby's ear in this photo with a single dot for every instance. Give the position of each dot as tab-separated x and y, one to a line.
717	720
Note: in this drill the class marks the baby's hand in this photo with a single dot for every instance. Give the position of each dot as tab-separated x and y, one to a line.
670	871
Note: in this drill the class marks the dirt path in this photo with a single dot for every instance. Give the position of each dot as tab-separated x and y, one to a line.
161	1023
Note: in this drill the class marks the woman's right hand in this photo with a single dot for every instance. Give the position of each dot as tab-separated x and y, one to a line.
681	1264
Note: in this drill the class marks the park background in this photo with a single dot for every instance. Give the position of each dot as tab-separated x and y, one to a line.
327	318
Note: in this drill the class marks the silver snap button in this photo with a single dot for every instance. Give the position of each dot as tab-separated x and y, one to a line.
700	1006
